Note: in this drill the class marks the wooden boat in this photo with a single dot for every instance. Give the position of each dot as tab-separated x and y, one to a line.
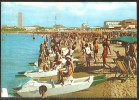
31	88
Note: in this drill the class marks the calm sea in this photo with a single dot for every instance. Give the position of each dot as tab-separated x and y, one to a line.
17	50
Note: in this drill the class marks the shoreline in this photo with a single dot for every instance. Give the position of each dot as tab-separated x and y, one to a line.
23	33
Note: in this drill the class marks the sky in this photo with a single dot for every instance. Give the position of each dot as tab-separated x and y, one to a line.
69	14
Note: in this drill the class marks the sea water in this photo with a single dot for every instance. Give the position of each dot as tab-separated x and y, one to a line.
17	51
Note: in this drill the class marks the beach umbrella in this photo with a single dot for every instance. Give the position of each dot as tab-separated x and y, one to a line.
128	39
115	39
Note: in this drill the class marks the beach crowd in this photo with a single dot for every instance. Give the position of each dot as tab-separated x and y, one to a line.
49	58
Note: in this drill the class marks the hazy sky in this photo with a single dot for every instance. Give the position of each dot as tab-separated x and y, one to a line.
69	14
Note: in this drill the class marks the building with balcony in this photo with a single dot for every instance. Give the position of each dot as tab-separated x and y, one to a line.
30	28
112	24
129	23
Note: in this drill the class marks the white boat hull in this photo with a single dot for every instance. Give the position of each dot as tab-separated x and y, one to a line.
47	73
4	92
31	88
41	73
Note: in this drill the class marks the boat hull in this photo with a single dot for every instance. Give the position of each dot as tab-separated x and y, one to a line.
33	74
4	92
43	73
57	89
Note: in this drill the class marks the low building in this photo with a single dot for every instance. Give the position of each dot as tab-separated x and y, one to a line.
129	23
84	26
72	29
8	27
112	24
31	28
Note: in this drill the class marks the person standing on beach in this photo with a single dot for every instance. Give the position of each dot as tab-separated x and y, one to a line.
40	60
83	44
45	44
46	38
87	52
53	43
95	49
126	45
58	43
132	53
105	42
91	48
105	54
42	48
132	50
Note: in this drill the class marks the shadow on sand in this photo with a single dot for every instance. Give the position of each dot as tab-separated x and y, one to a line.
94	69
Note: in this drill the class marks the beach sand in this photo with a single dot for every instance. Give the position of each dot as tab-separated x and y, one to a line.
111	88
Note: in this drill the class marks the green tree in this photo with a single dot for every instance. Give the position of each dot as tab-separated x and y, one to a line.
122	23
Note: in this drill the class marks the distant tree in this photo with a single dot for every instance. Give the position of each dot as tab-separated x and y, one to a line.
122	23
13	29
40	28
59	26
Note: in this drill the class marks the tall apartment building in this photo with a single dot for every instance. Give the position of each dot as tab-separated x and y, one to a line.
20	19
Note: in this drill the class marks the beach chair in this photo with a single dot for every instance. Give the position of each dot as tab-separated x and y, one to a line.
123	69
129	69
